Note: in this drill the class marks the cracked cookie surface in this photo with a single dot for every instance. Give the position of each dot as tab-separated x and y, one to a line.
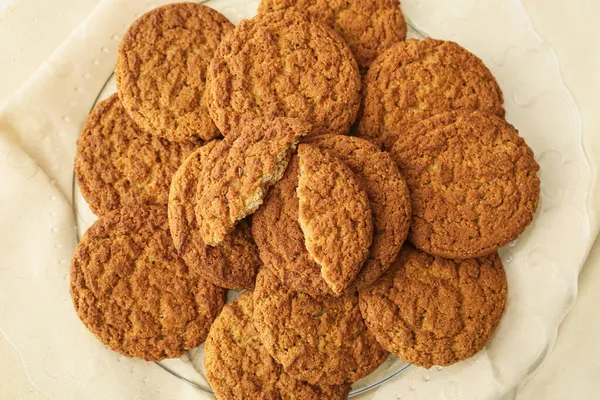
388	196
473	183
232	264
321	341
118	164
239	366
416	79
334	214
280	64
238	172
431	310
368	26
161	69
133	292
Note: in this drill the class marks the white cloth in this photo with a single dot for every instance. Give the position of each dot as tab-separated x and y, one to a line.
40	124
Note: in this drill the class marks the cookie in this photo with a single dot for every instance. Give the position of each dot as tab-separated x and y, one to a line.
323	341
281	65
117	164
238	366
368	26
473	183
280	239
134	293
334	214
161	69
431	310
416	79
388	196
232	264
239	170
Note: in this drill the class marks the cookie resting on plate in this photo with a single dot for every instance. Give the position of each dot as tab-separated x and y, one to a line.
430	310
280	64
238	365
416	79
161	69
134	293
473	183
322	341
118	164
368	26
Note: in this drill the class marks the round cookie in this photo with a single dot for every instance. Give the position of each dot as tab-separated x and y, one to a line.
161	69
238	366
416	79
134	293
368	26
281	65
335	215
232	264
321	341
473	183
118	164
431	310
280	239
388	196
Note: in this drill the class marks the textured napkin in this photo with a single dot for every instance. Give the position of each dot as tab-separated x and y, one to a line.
38	130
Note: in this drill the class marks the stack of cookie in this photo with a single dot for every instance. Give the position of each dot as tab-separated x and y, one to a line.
225	162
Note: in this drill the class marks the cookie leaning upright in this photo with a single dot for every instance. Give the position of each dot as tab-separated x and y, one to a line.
388	195
280	239
238	171
473	183
131	289
334	215
238	365
416	79
161	69
118	164
368	26
431	310
281	65
232	264
322	341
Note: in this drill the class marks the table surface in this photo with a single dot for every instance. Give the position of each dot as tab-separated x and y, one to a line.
572	370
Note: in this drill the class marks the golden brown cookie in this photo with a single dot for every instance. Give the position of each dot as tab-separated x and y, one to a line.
281	65
368	26
416	79
334	214
388	196
322	341
238	366
118	164
473	183
131	289
280	239
233	264
161	69
238	172
431	310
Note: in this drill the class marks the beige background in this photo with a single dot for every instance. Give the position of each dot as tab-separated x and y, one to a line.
572	371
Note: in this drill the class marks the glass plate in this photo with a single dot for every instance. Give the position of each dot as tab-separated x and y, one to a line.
190	368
